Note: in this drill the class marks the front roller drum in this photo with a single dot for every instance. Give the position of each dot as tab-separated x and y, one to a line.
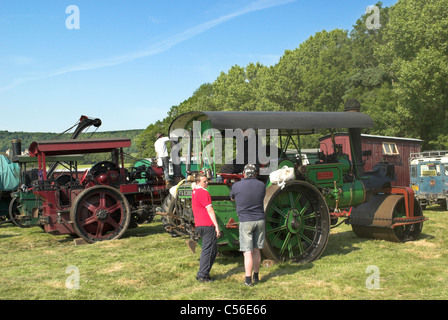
297	222
384	218
100	213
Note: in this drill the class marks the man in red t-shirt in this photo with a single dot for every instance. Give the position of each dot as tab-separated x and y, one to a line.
206	225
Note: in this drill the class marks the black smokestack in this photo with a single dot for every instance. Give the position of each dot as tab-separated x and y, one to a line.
353	105
16	147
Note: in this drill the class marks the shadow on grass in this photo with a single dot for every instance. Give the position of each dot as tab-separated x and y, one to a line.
268	273
9	227
286	269
342	243
145	230
424	236
346	242
4	236
277	270
436	208
338	244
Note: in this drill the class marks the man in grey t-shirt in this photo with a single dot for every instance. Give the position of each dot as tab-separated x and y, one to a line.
249	196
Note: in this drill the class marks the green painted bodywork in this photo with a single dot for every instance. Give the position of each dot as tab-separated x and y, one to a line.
225	211
26	201
330	178
27	206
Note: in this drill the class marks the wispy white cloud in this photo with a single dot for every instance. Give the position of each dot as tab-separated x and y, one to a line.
21	60
156	48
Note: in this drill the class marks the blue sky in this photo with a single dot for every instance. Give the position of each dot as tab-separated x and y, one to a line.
131	61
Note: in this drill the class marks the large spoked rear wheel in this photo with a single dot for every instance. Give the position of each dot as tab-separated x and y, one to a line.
297	222
100	213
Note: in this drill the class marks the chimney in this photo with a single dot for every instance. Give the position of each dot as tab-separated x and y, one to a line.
353	105
16	147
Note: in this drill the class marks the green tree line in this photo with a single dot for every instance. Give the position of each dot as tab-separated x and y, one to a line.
398	71
27	138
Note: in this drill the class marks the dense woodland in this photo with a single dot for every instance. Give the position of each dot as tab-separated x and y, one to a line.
399	73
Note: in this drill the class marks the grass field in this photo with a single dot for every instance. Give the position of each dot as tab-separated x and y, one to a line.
149	264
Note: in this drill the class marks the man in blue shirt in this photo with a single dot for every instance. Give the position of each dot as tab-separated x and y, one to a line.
248	194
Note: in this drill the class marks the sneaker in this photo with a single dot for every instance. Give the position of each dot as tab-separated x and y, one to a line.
206	279
249	284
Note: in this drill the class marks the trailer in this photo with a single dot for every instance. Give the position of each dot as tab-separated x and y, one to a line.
300	212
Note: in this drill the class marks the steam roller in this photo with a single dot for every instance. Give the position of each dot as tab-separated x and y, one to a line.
393	215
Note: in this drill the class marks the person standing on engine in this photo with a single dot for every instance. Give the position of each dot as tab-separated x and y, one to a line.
248	193
206	225
163	159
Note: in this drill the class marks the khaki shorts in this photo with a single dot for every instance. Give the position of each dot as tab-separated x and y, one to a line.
251	235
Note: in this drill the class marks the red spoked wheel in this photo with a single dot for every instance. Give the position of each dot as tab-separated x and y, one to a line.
100	213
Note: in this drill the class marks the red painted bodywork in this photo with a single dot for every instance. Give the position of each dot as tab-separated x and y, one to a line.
57	200
405	147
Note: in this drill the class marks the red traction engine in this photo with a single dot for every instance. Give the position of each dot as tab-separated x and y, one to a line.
104	201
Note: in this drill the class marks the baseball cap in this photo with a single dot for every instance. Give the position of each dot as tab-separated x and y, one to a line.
250	170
